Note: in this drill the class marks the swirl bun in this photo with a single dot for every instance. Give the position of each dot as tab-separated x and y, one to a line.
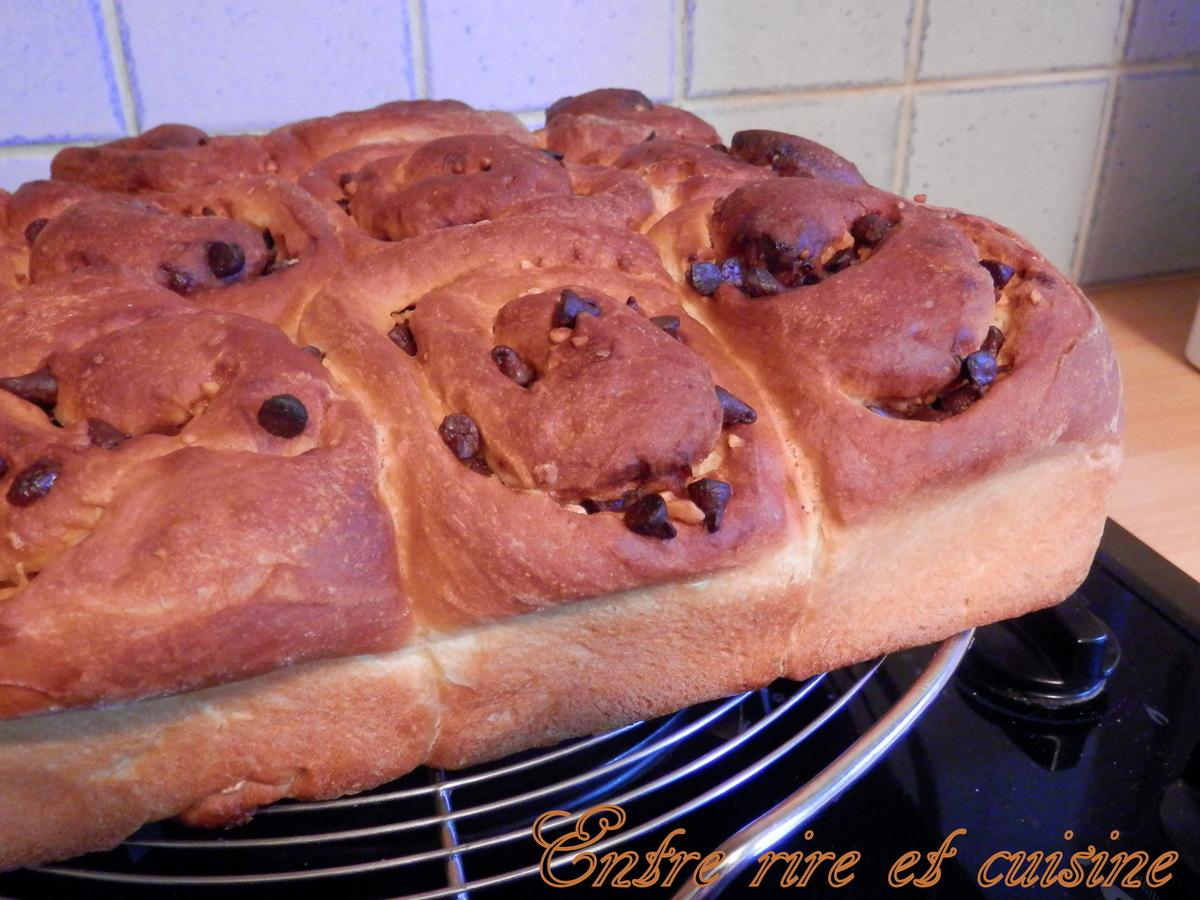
406	436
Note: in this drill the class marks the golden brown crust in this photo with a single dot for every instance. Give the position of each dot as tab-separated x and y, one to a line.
597	126
514	355
156	507
278	246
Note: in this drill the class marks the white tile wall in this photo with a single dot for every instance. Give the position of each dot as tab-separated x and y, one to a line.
1147	216
525	54
236	66
1020	155
763	45
861	127
56	82
1006	107
983	37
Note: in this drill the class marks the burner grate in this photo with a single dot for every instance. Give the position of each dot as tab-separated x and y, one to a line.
436	834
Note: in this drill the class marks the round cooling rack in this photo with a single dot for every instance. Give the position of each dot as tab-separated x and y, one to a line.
467	834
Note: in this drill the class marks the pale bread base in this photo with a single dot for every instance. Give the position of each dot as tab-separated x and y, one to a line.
1013	541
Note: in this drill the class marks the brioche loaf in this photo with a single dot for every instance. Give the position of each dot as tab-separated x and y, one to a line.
407	436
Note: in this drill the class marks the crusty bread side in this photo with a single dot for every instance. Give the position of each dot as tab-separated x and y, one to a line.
80	781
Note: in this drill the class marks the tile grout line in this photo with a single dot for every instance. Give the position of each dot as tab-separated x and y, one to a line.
679	74
116	53
1083	231
980	82
417	55
912	62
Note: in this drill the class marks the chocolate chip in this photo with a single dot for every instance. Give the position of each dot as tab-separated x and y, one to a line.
3	466
554	155
617	504
632	303
705	277
570	307
40	388
731	271
733	410
513	364
651	136
648	516
175	279
711	496
102	434
313	351
957	400
1001	274
460	433
402	336
798	273
34	482
870	229
761	283
993	341
840	260
980	367
669	324
207	211
225	259
34	228
283	416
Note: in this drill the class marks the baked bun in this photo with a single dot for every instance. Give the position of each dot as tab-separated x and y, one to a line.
473	440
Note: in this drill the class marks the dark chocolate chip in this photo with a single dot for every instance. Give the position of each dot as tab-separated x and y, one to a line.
225	259
993	341
313	351
34	482
669	324
705	277
3	466
460	433
102	434
731	271
570	307
283	416
733	410
1001	273
840	260
176	279
957	400
648	516
761	283
616	504
632	303
980	367
514	365
870	229
40	388
402	336
34	228
711	496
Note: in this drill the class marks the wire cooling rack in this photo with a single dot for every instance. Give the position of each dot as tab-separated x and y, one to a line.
436	834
